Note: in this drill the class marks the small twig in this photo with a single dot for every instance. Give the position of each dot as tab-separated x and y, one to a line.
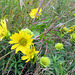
38	42
21	4
36	71
28	69
4	48
29	73
36	37
40	47
59	25
69	20
39	20
66	42
7	64
49	50
46	47
3	68
71	55
7	54
42	22
8	71
23	68
62	40
72	8
55	36
46	5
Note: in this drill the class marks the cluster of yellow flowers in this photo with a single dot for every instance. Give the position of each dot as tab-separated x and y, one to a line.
22	42
72	29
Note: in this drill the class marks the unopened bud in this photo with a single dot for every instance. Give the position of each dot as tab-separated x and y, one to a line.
28	31
59	46
44	61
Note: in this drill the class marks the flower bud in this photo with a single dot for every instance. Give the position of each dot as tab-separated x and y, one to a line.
73	37
64	30
28	31
59	46
44	61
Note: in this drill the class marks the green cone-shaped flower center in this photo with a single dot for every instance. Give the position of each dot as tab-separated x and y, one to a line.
23	42
65	29
45	61
2	34
59	46
73	37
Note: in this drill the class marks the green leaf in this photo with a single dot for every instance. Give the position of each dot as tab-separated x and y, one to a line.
61	69
57	71
41	35
11	65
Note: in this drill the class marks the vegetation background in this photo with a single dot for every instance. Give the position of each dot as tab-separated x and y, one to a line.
55	12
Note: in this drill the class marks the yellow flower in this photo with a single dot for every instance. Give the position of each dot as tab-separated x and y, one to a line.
72	29
34	11
29	54
22	41
3	29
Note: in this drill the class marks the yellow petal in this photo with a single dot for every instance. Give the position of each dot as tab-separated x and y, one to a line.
12	42
32	56
23	51
22	34
14	46
24	57
16	50
28	60
19	48
15	37
36	52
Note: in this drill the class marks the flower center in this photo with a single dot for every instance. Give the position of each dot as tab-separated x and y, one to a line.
2	35
23	41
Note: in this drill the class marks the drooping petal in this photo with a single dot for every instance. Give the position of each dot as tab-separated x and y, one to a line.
24	57
20	48
28	60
